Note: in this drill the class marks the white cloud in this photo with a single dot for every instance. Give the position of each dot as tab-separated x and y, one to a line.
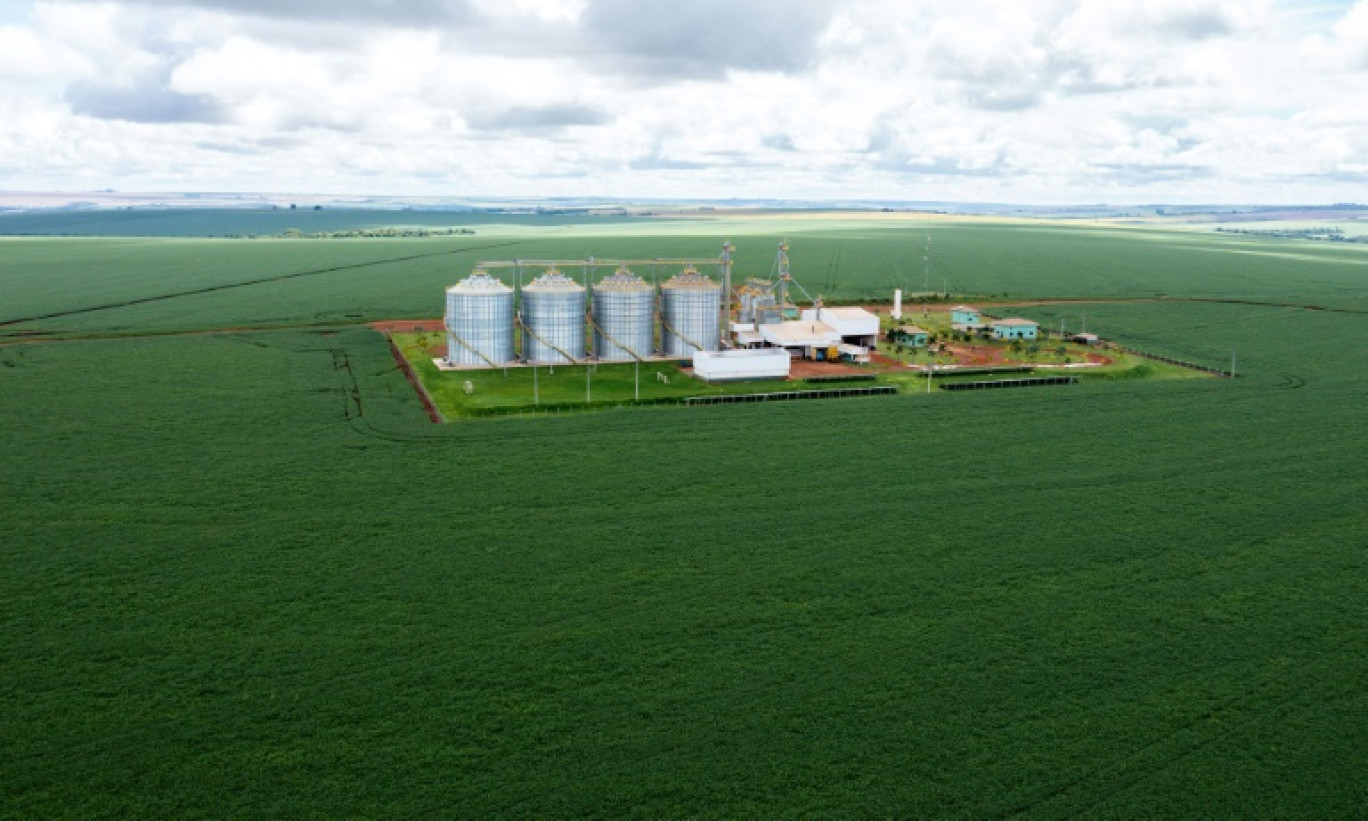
1043	100
27	55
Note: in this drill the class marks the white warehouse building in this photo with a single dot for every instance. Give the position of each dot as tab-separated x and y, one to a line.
855	326
742	363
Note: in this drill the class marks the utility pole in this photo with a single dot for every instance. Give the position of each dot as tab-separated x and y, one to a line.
1232	364
588	378
536	399
636	375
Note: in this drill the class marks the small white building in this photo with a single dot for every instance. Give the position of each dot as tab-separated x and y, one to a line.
854	353
856	326
755	363
746	335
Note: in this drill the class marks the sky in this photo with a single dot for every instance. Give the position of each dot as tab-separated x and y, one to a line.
1034	101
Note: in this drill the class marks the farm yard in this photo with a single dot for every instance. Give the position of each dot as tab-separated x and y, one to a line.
248	576
567	388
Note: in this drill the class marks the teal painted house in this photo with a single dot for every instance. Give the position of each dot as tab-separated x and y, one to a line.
912	336
1014	329
963	318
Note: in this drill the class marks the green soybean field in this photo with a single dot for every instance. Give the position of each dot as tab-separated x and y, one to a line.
247	576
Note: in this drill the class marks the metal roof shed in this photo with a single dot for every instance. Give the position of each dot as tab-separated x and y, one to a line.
800	334
847	321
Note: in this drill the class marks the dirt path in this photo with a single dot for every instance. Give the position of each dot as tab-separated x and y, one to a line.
404	326
434	415
803	368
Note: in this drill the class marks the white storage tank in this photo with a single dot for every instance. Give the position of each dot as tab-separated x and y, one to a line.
690	303
479	321
553	319
624	313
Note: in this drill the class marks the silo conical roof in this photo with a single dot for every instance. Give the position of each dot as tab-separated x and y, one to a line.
553	280
478	282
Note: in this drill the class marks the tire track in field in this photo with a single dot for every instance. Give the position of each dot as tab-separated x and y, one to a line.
246	283
19	338
833	267
894	279
1274	696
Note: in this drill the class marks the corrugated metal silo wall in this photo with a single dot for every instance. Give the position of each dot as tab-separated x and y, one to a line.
692	313
627	316
484	320
557	316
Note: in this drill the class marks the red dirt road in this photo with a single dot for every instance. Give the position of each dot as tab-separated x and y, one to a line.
408	326
802	369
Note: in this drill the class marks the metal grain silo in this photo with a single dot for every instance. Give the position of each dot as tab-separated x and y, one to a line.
553	319
757	303
624	316
479	321
689	313
745	300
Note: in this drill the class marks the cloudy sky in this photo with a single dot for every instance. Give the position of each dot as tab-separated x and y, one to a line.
1030	101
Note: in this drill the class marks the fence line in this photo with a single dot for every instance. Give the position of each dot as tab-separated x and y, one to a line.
1169	360
1047	333
978	371
1029	382
716	399
784	396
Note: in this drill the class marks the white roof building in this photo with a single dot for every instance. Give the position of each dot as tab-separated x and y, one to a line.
756	363
847	321
801	334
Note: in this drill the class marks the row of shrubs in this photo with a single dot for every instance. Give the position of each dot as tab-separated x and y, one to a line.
359	233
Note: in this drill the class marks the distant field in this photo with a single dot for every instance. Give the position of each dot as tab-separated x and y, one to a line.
246	576
283	281
187	222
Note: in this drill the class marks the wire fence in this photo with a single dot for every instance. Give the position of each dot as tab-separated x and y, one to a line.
560	408
1182	363
1029	382
785	396
1046	334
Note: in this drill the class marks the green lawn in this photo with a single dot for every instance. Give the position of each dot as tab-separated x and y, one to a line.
247	577
567	388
